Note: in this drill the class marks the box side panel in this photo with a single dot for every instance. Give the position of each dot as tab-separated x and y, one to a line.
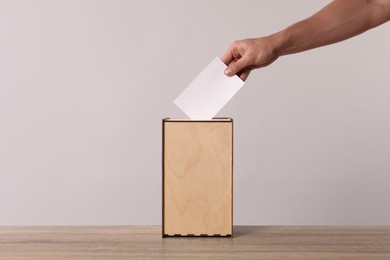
162	176
197	178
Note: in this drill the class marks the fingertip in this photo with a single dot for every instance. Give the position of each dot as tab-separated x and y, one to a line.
222	58
244	75
228	71
226	57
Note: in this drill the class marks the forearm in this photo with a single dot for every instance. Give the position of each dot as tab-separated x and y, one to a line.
338	21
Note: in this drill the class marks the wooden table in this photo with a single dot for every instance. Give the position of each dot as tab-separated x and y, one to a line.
249	242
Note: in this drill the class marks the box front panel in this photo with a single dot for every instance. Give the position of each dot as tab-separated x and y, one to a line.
198	178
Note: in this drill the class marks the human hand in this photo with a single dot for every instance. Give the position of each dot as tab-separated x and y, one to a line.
243	56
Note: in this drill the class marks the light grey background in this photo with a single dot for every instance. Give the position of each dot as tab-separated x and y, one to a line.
84	86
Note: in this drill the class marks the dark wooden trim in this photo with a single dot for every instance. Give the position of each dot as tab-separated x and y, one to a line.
193	235
214	120
232	172
163	178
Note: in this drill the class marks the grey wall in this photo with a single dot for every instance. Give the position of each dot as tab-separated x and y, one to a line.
84	86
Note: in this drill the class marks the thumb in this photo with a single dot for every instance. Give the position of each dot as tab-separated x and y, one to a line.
235	67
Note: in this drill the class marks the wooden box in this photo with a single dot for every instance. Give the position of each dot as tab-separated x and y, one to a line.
197	177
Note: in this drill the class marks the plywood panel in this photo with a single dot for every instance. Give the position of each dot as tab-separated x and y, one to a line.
197	179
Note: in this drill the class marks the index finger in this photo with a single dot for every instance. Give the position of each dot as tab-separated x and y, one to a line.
227	57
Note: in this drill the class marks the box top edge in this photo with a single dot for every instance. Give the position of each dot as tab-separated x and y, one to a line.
214	119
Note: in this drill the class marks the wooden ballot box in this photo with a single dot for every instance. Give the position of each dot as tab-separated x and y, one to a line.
197	177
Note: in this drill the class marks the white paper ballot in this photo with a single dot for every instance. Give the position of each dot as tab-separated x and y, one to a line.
209	92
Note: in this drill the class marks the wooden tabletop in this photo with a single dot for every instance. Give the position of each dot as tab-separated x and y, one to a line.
249	242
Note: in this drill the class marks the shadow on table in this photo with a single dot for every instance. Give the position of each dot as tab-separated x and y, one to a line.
241	231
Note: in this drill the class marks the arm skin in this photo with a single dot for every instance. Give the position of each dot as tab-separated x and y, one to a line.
340	20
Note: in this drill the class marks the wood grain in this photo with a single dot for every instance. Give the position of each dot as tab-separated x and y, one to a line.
249	242
198	177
